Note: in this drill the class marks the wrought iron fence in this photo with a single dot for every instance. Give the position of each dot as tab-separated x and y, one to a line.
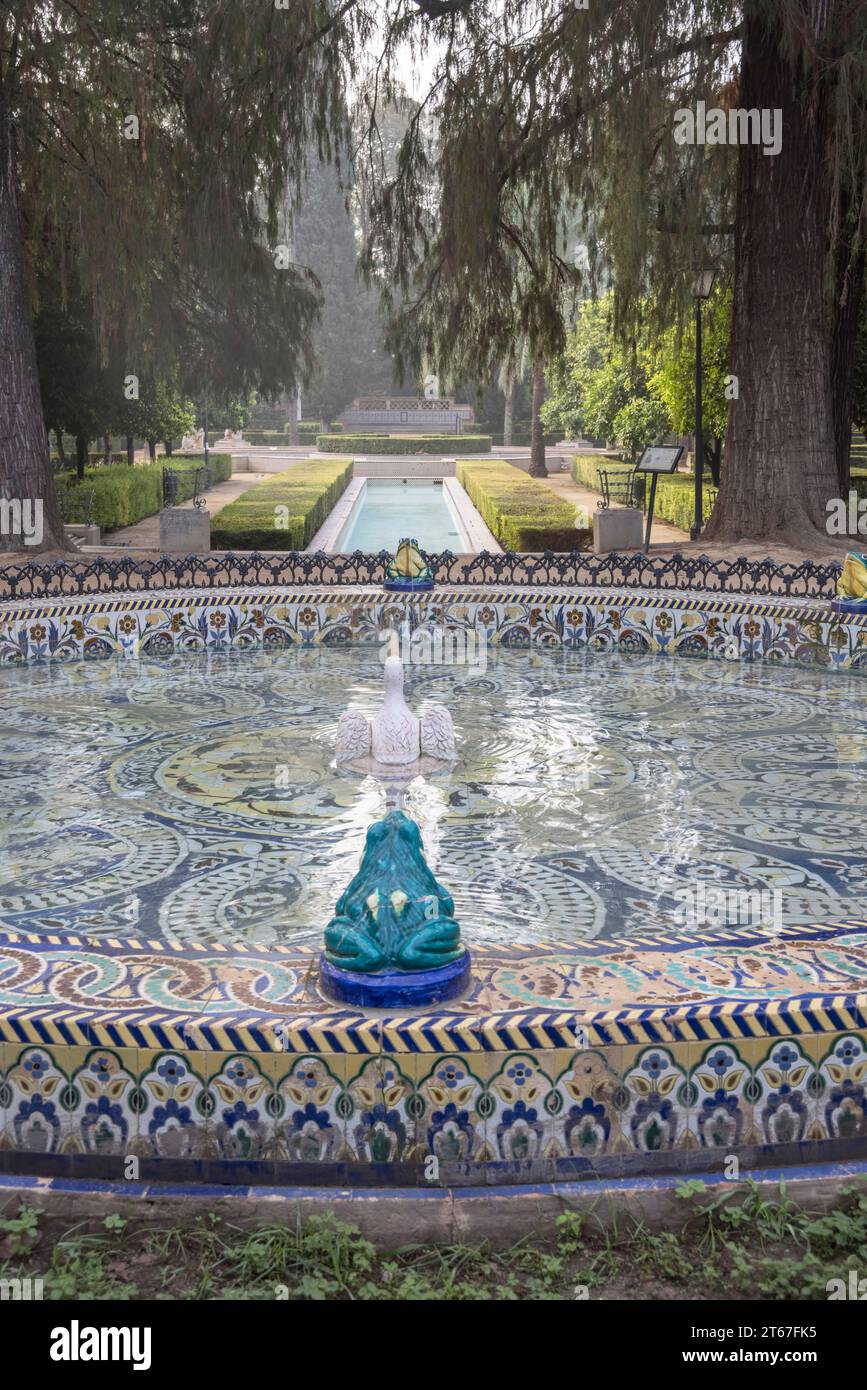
577	568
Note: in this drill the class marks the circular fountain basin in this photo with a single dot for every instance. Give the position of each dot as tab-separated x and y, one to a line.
658	867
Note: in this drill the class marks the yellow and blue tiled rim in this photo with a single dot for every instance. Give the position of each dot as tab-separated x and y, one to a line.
159	623
157	994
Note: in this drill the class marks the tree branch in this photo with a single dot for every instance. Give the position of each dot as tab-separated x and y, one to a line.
438	9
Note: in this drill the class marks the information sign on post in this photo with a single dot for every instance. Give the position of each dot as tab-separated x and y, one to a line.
656	459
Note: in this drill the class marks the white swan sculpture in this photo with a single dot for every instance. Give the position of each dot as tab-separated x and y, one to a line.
395	736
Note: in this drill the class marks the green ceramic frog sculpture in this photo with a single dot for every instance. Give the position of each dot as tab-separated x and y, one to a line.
852	585
409	568
394	915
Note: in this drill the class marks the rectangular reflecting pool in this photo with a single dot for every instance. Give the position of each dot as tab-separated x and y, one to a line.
388	511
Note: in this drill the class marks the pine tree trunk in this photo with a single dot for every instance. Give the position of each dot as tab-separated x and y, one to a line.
538	468
25	467
781	465
847	309
509	412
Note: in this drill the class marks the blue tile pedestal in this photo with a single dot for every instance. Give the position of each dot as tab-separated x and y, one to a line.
408	586
391	988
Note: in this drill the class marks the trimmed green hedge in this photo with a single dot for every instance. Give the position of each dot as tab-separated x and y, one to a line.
404	443
309	490
124	495
522	512
675	492
858	478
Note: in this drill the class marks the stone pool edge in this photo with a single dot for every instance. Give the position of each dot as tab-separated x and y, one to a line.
392	1216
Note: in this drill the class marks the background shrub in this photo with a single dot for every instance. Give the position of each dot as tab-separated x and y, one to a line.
448	444
124	495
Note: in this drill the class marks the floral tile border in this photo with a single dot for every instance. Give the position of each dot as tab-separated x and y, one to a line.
521	1107
650	621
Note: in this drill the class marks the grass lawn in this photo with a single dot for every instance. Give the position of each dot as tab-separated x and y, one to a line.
754	1248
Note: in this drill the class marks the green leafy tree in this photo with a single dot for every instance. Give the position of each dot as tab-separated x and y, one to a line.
673	378
602	389
641	421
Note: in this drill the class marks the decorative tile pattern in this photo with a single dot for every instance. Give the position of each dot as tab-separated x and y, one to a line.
203	803
524	1110
154	1043
691	624
733	985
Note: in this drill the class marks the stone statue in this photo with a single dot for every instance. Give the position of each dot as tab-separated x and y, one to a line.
852	584
394	914
409	570
395	736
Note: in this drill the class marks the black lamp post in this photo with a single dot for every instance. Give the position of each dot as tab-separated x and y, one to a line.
702	286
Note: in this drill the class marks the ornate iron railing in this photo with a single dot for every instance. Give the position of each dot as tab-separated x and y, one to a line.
172	479
671	572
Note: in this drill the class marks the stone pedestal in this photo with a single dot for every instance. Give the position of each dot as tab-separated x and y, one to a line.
185	530
617	528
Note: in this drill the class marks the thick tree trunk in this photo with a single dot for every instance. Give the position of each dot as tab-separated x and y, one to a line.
781	466
152	449
847	308
167	443
538	468
509	412
25	467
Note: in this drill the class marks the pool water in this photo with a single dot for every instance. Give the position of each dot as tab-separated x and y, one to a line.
197	797
391	510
